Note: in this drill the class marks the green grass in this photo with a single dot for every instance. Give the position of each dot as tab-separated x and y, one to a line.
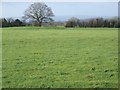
60	58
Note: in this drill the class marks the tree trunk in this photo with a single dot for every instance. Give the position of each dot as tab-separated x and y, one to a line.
40	24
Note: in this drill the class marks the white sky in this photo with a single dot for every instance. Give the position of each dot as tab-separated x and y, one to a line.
16	8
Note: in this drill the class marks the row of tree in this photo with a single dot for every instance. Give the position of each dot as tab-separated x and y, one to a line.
11	22
95	22
72	22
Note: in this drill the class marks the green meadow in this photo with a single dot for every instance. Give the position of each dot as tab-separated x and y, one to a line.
58	57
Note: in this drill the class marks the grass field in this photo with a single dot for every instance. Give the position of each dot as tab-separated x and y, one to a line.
37	57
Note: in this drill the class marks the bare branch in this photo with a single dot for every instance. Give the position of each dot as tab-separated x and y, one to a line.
39	12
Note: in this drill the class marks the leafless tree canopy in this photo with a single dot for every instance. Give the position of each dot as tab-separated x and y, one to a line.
39	12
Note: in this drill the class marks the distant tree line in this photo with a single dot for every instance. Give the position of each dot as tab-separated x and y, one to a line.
94	22
72	22
11	22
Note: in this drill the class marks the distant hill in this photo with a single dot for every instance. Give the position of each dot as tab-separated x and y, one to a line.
65	18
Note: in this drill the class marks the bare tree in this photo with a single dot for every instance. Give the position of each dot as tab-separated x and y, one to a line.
72	22
39	12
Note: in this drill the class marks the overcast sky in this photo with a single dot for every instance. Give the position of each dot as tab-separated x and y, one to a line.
101	9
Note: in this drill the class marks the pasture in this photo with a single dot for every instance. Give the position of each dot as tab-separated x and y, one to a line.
58	57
